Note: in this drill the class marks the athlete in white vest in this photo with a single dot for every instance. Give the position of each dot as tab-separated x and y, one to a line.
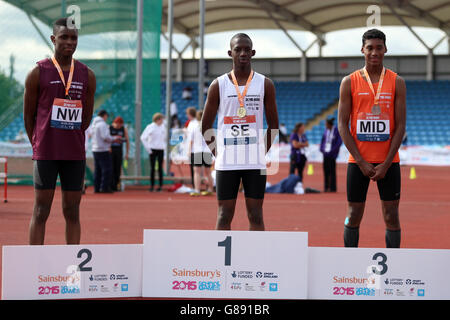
240	99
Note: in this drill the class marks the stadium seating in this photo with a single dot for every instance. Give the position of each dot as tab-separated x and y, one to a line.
428	107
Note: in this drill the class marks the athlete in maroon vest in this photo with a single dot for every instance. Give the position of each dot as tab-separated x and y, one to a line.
58	107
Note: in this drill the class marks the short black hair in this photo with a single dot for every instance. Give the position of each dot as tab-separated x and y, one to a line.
61	22
241	35
102	113
373	34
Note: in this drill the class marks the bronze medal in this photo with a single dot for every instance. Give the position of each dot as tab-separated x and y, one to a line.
376	109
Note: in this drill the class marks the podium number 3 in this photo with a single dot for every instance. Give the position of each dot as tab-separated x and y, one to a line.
381	263
227	244
85	261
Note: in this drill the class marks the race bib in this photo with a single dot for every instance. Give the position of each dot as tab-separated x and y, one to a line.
240	131
66	114
372	127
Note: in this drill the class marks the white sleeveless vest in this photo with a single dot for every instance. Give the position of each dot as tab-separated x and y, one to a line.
240	141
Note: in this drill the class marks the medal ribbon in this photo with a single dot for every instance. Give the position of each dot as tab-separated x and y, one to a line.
244	93
61	75
380	84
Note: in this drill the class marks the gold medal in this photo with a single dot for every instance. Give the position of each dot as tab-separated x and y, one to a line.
376	109
241	112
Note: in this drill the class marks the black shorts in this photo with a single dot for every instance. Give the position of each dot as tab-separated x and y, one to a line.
201	159
358	184
71	174
228	182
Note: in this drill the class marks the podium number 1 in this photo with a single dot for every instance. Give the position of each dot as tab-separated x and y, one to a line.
227	244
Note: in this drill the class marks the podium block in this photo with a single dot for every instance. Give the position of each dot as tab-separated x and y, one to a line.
71	272
225	264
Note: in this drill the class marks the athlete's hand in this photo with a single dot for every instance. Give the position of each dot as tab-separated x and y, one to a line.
380	172
367	169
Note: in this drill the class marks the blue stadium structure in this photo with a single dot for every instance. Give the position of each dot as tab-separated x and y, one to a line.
428	107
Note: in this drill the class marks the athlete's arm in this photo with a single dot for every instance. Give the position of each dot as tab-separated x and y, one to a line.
209	115
270	109
30	101
88	109
399	131
344	111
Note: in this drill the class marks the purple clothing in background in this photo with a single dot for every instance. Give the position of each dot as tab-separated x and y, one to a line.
51	143
336	142
297	152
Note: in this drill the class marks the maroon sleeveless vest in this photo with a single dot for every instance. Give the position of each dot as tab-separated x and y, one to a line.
52	143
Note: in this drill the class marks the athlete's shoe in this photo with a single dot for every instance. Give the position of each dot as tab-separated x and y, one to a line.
206	193
194	194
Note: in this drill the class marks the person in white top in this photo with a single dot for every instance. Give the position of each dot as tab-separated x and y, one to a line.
101	149
240	99
202	158
153	139
191	114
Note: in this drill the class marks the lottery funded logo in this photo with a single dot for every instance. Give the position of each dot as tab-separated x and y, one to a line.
242	274
98	277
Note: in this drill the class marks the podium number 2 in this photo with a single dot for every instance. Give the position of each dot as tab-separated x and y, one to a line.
227	244
85	261
381	263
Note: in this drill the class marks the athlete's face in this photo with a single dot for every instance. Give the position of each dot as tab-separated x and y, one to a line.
65	41
241	51
374	50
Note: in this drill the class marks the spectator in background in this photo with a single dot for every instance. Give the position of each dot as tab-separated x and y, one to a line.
201	156
192	122
101	149
21	137
187	93
154	141
329	146
283	133
174	122
299	142
117	129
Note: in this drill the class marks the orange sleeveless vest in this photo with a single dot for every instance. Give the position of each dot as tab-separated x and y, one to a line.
372	131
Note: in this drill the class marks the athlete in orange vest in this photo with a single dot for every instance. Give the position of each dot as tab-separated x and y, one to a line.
373	101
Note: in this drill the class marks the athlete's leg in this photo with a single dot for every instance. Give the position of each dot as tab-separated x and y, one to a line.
389	189
225	214
44	176
392	221
227	186
357	186
254	182
71	211
255	214
71	174
42	204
